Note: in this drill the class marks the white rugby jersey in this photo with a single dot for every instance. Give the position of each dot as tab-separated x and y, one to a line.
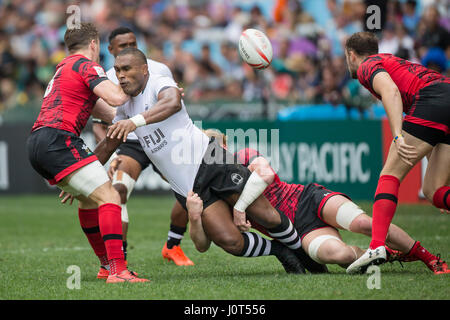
175	145
154	67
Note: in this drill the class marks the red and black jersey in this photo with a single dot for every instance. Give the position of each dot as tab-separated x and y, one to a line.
281	195
409	77
69	98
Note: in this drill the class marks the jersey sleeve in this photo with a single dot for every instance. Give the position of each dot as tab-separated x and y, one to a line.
91	73
246	156
163	82
368	69
165	71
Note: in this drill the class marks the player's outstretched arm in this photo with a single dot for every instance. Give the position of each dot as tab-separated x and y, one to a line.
169	103
106	148
103	111
392	101
111	93
194	205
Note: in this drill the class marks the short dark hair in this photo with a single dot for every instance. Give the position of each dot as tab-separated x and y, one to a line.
78	38
362	43
135	53
118	31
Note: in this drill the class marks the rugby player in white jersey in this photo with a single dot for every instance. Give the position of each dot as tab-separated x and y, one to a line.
131	160
189	160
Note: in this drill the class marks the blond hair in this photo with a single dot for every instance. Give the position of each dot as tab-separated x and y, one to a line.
220	137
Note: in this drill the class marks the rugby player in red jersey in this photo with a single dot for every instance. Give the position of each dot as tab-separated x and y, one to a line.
317	213
58	154
424	96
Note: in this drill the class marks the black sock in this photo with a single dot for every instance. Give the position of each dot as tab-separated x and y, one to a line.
286	233
255	245
175	235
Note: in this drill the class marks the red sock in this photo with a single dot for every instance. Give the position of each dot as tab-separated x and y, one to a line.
441	198
89	224
110	222
384	208
421	253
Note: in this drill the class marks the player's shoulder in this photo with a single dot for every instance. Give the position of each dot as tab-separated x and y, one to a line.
376	59
80	63
371	66
158	81
157	67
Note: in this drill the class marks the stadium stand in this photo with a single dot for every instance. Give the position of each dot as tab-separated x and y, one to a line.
197	40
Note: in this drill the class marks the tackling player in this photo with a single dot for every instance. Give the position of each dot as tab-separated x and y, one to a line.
189	160
317	213
126	168
424	96
58	154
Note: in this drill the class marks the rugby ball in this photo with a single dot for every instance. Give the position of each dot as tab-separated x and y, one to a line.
255	49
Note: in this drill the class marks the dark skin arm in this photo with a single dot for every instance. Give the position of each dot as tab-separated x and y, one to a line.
169	103
106	148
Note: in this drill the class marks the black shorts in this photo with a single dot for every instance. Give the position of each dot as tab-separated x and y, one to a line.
308	216
429	117
55	153
133	149
219	178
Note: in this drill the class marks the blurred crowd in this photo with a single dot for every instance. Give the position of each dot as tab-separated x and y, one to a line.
197	39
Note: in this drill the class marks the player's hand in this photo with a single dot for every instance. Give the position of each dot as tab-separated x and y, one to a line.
406	152
66	197
121	129
241	221
444	211
194	204
113	167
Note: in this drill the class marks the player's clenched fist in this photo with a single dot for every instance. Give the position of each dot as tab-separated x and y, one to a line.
121	129
194	205
240	220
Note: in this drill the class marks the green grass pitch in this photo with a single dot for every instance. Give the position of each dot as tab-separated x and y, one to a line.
41	238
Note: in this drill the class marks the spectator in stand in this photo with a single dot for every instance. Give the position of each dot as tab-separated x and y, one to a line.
410	17
435	59
434	35
175	31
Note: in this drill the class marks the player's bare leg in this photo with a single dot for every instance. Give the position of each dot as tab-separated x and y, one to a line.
218	224
393	172
219	227
325	246
280	228
343	214
172	250
277	225
436	188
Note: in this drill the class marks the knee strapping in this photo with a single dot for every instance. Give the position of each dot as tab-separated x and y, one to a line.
346	213
315	244
121	177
